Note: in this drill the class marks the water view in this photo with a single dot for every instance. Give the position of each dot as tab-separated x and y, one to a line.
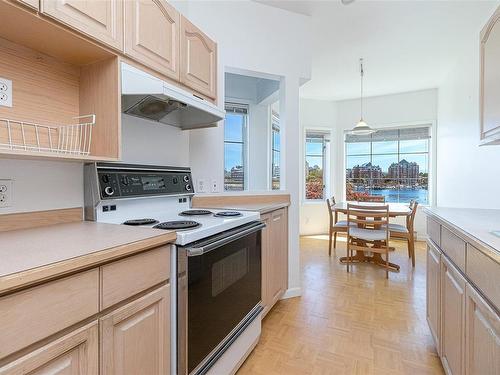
399	195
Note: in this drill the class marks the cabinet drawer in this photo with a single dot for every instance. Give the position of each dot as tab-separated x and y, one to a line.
31	315
434	231
129	276
78	349
454	247
484	272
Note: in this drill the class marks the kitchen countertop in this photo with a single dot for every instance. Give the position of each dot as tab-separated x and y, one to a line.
29	256
477	224
262	208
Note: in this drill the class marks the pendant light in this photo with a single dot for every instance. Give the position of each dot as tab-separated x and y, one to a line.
362	127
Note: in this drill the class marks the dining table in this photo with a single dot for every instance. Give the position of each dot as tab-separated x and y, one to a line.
395	210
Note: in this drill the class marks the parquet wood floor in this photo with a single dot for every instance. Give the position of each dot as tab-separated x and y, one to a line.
356	323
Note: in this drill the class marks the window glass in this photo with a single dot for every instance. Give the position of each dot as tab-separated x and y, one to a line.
315	164
275	151
234	146
393	163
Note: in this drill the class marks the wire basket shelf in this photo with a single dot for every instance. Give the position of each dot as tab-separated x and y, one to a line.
73	139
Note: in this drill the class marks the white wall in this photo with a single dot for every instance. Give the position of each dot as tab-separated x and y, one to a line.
258	147
419	107
147	142
317	115
468	175
253	37
42	185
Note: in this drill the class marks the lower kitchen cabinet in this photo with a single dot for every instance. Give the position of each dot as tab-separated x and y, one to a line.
274	257
482	336
135	339
76	353
433	312
452	319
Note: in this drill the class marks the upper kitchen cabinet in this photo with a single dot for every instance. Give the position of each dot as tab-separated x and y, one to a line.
152	35
34	4
102	20
490	81
198	60
63	90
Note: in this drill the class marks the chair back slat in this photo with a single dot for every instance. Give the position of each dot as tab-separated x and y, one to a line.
410	220
369	221
330	203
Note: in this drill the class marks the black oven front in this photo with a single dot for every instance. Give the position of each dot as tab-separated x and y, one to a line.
219	294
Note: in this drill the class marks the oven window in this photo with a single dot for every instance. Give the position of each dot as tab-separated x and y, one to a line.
224	285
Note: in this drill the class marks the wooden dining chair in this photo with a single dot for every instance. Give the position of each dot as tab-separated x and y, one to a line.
335	225
406	232
367	230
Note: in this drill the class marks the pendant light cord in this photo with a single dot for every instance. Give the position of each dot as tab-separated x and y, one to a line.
361	71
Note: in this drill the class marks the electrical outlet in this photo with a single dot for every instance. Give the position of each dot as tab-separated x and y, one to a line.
215	186
6	193
202	185
5	92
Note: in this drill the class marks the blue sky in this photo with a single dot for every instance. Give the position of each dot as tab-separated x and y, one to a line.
385	153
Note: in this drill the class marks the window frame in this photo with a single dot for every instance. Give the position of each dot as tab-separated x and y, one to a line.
431	156
244	142
326	155
275	125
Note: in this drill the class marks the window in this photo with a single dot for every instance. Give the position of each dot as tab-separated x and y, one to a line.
275	150
235	126
393	163
315	155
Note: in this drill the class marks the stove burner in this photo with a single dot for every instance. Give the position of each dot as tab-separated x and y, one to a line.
195	212
228	214
140	222
178	224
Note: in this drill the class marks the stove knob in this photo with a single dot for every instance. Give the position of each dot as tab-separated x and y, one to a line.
125	180
175	180
108	190
188	187
105	178
186	178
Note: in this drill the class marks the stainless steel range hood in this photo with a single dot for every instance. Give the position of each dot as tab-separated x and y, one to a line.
148	97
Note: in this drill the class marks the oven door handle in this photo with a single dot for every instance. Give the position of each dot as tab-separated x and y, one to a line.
196	251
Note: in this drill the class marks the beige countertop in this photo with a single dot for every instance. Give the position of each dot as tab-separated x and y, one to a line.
28	256
477	224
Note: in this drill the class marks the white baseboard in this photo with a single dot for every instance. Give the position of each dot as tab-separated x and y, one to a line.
292	292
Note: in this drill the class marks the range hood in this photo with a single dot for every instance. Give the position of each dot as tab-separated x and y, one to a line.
148	97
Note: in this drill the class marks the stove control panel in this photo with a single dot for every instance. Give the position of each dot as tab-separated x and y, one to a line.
135	182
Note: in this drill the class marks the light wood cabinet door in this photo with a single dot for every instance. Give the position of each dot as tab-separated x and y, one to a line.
482	336
198	53
76	353
266	261
433	312
277	260
135	339
152	35
490	81
31	3
452	319
102	20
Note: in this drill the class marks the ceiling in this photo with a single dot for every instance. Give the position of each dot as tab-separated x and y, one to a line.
407	45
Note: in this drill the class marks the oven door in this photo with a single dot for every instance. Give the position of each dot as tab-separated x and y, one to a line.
224	292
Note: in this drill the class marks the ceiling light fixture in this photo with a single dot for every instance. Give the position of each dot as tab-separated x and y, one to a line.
362	127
